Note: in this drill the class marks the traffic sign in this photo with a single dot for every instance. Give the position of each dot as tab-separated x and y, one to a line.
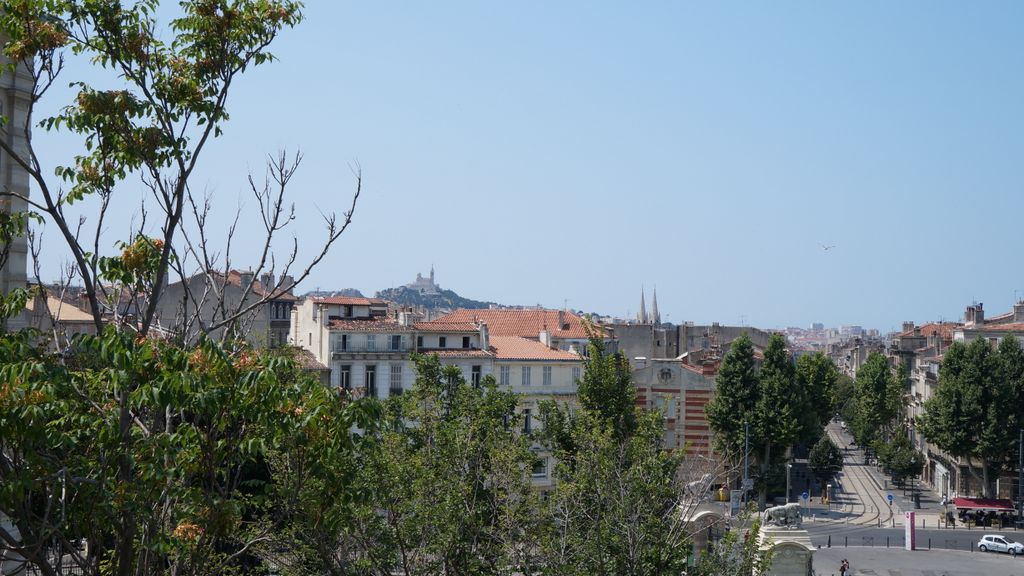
890	499
805	495
747	484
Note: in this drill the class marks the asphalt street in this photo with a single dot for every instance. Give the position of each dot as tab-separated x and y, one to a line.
883	562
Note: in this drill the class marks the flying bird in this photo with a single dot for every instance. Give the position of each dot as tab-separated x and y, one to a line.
827	247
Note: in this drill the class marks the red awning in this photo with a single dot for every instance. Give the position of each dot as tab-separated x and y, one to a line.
994	504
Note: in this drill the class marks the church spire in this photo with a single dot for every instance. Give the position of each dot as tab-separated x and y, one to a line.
641	318
655	316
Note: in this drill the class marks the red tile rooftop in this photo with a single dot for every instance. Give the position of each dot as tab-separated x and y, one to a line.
457	353
1014	327
373	324
517	348
235	277
440	326
527	323
350	301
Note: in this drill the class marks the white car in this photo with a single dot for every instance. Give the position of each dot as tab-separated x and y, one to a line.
997	543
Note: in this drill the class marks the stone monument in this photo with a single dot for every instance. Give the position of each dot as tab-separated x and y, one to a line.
790	545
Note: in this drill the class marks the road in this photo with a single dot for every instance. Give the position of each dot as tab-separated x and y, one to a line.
861	501
882	562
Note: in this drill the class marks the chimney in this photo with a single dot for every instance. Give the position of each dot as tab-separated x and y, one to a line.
287	283
245	278
545	337
1018	311
267	279
485	337
907	326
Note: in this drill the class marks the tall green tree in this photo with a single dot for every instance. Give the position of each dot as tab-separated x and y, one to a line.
776	419
972	412
737	392
878	398
816	382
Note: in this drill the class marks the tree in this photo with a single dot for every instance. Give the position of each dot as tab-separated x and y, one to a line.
901	459
203	422
779	403
878	398
844	398
816	381
151	125
825	460
620	504
737	391
972	412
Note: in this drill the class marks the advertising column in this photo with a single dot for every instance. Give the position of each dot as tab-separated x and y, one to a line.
909	531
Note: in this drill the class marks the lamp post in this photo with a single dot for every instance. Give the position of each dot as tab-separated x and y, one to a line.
789	467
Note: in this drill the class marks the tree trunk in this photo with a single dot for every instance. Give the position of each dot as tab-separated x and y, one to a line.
762	494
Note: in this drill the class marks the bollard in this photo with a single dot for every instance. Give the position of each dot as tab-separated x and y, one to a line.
829	541
846	541
893	521
972	545
929	543
886	541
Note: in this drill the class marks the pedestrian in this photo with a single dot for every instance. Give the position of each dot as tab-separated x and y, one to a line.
843	567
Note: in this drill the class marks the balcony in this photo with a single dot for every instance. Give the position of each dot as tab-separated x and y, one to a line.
364	349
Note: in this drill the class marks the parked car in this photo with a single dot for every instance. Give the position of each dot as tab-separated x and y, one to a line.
997	543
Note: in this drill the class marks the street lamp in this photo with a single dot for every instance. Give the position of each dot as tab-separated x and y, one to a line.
789	467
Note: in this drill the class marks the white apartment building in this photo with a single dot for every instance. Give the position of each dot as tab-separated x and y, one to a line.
368	351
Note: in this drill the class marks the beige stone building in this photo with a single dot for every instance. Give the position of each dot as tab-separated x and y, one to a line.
14	105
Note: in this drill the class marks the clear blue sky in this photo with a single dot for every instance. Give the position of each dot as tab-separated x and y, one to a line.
539	151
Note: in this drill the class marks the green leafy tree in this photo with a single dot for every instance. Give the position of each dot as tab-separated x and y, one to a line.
816	381
825	460
616	507
169	481
737	391
776	415
878	398
439	486
843	398
974	407
901	459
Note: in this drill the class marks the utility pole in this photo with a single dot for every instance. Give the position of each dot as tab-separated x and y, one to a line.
1020	476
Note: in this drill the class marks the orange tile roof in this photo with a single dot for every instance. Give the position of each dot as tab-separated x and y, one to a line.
441	326
349	301
458	353
235	277
518	348
527	323
945	329
1014	327
371	324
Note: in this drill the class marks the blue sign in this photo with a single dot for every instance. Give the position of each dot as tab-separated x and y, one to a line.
805	495
890	499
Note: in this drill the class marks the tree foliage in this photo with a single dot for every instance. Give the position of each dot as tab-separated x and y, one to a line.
975	410
878	401
825	460
901	459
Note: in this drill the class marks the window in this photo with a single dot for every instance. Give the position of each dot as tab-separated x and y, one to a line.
340	342
503	375
540	467
371	381
396	342
348	311
546	375
575	374
526	375
346	376
419	341
527	421
465	341
310	338
371	342
442	341
396	380
475	376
